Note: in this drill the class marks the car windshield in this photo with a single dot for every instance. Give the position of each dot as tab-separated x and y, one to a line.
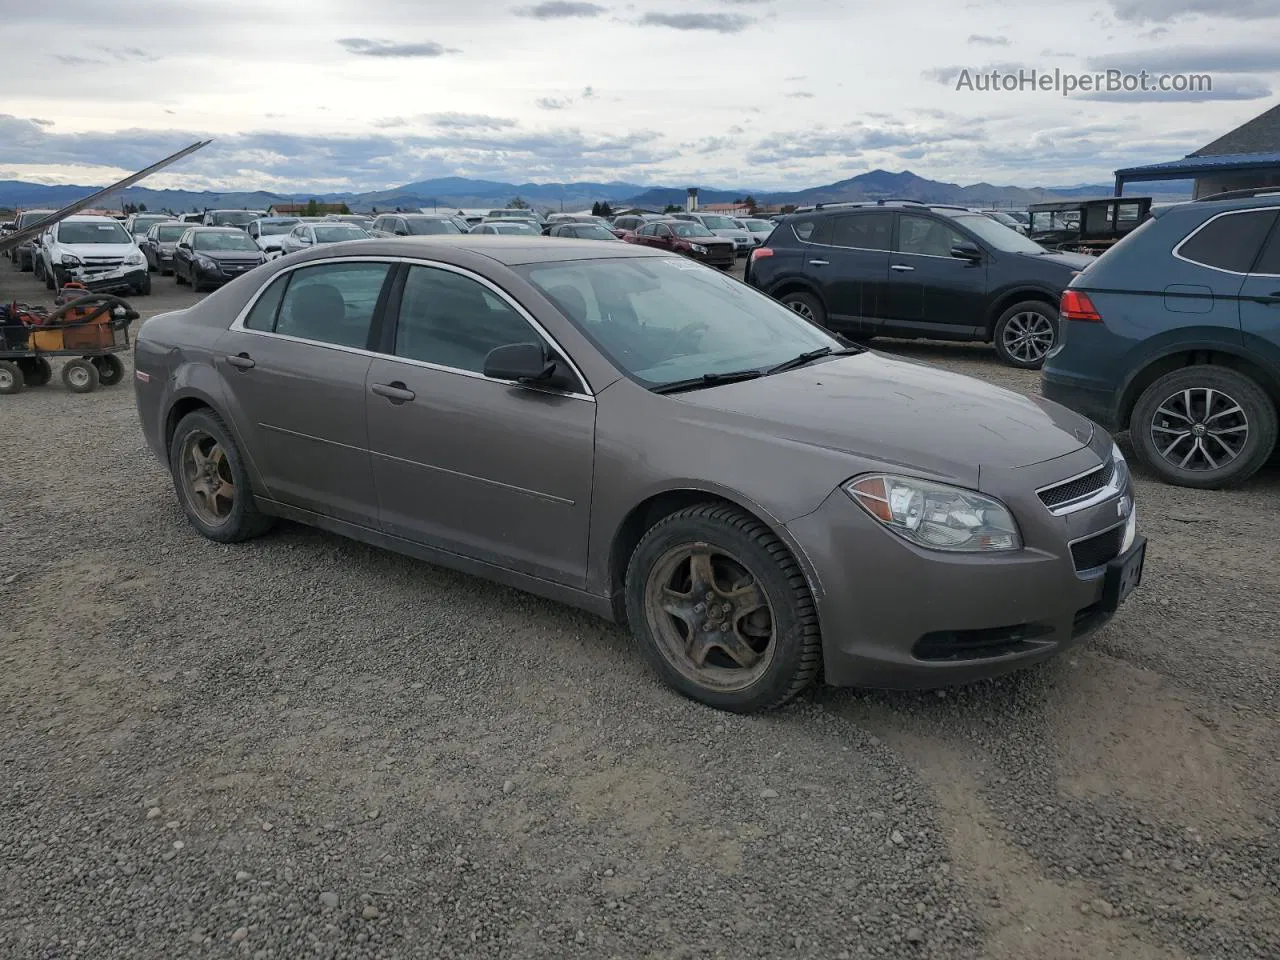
109	231
523	214
223	240
170	234
234	218
685	229
272	228
759	226
519	228
1003	238
592	231
339	232
425	228
718	223
665	319
32	216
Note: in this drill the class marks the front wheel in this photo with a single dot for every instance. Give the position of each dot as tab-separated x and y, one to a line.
80	376
1025	333
1204	426
12	378
110	369
177	277
211	480
807	305
722	611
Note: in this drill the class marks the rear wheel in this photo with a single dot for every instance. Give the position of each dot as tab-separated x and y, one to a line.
211	481
1025	333
80	376
807	305
110	369
11	377
1204	426
721	610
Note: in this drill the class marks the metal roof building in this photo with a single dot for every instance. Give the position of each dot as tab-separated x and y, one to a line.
1245	158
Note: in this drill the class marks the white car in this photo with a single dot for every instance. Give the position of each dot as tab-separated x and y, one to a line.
759	229
723	226
96	251
269	233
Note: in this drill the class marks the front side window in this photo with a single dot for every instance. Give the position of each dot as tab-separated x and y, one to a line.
665	319
1231	242
998	235
862	231
927	237
332	303
454	321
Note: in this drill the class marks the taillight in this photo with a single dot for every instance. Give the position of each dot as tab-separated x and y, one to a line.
1077	306
760	252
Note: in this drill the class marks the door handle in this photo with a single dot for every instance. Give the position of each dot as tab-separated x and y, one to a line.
396	392
241	361
901	267
819	263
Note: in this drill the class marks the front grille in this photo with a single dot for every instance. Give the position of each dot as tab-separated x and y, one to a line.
956	645
103	261
1097	550
1080	487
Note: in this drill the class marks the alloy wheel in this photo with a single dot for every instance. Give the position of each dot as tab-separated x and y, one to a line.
711	617
802	308
206	474
1200	429
1028	336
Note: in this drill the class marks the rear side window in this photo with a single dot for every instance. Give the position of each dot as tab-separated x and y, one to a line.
866	231
332	303
1269	262
1231	242
263	314
804	229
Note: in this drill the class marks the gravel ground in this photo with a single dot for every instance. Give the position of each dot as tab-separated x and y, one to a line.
302	746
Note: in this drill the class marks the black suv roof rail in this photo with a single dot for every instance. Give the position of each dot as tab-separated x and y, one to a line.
838	203
1242	194
948	206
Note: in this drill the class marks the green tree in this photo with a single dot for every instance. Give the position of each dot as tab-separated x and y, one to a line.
750	203
605	209
313	208
344	210
672	208
142	208
518	203
595	209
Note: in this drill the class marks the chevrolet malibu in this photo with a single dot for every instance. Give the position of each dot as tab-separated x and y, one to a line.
644	437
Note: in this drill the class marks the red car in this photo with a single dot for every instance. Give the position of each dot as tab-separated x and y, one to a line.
686	237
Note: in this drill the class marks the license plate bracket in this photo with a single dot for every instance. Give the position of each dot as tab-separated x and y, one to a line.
1123	576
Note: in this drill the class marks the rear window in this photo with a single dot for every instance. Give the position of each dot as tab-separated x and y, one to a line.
1229	242
804	229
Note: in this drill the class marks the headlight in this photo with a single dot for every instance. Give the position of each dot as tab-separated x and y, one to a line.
206	262
69	261
935	515
697	248
135	258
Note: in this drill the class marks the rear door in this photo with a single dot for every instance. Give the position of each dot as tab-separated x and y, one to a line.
479	467
1218	257
929	290
294	368
853	265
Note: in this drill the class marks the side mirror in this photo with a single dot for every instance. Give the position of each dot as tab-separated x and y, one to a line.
522	362
966	251
184	246
402	233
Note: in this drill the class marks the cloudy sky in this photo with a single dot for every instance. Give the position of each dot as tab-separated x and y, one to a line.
366	94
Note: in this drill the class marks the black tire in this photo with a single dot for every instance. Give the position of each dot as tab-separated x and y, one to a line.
143	289
1159	414
26	266
243	520
807	305
12	379
37	371
80	376
177	277
110	369
1025	333
196	285
743	545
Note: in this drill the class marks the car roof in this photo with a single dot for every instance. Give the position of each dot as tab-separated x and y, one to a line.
203	229
421	216
507	250
88	218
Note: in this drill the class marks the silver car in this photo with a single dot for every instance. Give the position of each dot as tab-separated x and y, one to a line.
307	235
644	437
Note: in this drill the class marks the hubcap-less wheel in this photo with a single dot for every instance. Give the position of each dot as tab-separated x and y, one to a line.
78	377
1200	429
712	620
206	473
1028	336
802	308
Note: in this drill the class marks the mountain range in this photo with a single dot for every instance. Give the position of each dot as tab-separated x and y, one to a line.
462	192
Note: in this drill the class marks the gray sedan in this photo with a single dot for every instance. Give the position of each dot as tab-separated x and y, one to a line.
644	437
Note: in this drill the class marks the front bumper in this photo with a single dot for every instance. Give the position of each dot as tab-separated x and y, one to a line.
123	278
895	616
719	256
220	274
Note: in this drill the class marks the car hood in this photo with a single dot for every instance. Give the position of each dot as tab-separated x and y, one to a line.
230	256
98	250
732	234
901	413
274	240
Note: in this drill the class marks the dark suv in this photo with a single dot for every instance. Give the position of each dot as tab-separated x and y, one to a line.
904	269
1174	335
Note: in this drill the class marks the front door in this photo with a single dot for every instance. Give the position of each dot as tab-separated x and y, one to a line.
929	290
482	468
295	373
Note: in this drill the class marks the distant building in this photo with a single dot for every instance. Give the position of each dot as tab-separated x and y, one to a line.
728	209
1246	158
304	209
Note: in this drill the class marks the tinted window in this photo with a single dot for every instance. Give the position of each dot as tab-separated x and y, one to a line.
1269	262
92	231
167	234
803	229
332	303
867	231
263	314
932	238
224	240
423	228
454	321
1230	242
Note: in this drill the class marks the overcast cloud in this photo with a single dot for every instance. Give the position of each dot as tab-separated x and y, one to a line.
764	94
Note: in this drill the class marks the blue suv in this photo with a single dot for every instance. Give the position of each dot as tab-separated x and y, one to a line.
1174	335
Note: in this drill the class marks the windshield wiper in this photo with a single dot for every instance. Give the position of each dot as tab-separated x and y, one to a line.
706	380
809	357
